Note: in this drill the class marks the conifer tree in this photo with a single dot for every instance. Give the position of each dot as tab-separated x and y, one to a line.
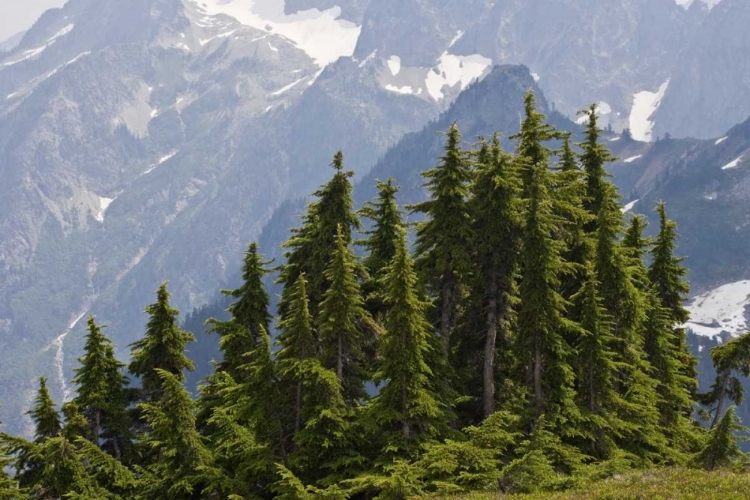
730	359
721	447
178	450
496	214
102	397
44	415
442	246
344	326
162	348
408	409
668	277
535	131
594	157
309	248
380	243
8	486
249	313
297	343
596	368
635	245
541	347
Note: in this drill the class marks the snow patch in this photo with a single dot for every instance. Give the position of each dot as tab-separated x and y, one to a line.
710	4
403	90
323	35
453	70
632	159
645	105
368	58
288	87
732	163
104	204
459	35
209	40
719	141
161	160
627	208
720	310
394	64
536	77
35	52
272	47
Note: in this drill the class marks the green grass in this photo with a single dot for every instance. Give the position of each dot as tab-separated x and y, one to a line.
661	484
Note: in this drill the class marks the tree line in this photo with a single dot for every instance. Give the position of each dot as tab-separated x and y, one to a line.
530	338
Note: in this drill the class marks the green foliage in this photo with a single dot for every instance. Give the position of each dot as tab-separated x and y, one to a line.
101	395
43	414
162	348
443	239
721	447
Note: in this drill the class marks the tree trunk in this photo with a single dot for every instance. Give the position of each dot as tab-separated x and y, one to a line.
298	410
722	397
489	352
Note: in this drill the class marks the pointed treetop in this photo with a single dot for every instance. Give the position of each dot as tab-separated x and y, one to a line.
44	415
338	161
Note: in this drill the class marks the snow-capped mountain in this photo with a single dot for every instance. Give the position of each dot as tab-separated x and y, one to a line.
150	140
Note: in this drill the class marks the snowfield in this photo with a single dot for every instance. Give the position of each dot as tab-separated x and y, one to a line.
645	105
720	310
323	35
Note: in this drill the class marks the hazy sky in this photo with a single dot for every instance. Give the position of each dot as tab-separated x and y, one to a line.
19	15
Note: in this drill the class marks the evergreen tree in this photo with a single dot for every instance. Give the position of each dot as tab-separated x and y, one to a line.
344	325
635	244
594	157
249	313
534	133
408	409
8	486
542	350
297	343
309	248
596	368
443	239
496	214
380	243
44	415
730	359
102	397
162	348
721	447
178	450
668	277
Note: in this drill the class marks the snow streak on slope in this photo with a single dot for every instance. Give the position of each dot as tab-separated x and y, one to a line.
323	35
720	310
627	208
35	52
645	105
732	164
688	3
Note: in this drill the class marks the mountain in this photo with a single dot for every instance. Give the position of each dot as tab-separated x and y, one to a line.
152	140
12	42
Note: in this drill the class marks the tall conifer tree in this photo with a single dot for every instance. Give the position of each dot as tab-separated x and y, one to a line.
44	415
381	243
496	215
102	397
408	409
442	246
344	326
162	348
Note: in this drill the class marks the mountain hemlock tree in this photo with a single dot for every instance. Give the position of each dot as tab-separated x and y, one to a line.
309	248
721	447
541	347
44	415
408	409
496	214
345	328
250	315
297	343
594	157
443	239
730	359
162	348
178	450
381	243
101	394
668	276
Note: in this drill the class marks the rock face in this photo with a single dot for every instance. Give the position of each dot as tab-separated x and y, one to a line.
150	140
